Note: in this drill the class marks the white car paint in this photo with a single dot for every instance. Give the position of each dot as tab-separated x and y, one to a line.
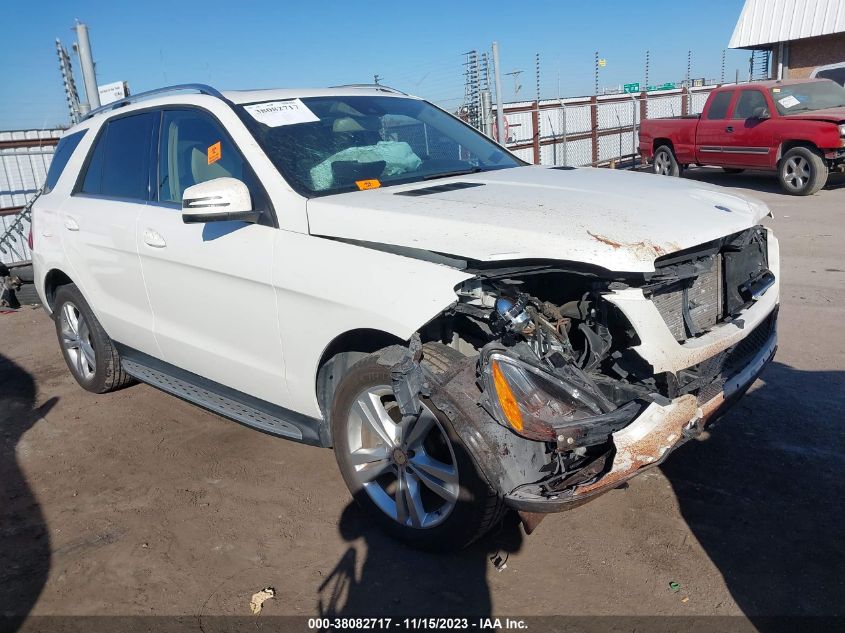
620	221
256	308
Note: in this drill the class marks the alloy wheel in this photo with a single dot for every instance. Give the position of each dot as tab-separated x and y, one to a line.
76	340
796	172
662	164
408	469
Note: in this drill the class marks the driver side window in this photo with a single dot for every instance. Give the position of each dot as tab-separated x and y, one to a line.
749	101
193	149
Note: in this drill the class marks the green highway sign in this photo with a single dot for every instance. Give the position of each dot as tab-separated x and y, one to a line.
629	88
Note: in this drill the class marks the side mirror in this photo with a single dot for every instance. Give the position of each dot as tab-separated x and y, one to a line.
761	113
218	200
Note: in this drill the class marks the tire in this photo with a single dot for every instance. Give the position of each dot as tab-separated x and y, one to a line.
88	351
664	162
802	171
732	170
465	506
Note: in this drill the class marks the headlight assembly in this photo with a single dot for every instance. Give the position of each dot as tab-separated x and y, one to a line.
534	403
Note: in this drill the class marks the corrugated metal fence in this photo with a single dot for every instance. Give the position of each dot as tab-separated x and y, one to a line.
592	130
25	157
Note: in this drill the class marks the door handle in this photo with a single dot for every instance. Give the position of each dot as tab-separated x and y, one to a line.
154	239
71	224
729	129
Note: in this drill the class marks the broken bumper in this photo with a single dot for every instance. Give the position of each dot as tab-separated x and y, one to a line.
647	441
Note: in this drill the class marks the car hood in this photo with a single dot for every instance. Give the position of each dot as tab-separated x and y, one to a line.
834	115
617	220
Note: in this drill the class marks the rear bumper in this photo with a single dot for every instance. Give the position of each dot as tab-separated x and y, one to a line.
647	441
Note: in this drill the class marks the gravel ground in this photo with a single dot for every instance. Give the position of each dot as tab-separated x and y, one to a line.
136	503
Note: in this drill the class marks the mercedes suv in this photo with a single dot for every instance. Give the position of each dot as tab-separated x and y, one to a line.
355	268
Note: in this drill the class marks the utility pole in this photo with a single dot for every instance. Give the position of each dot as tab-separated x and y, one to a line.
689	65
722	80
500	106
647	60
516	85
537	74
86	63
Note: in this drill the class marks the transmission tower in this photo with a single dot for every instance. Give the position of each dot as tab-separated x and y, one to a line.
472	90
69	84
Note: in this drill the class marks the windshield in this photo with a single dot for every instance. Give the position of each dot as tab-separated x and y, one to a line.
804	97
326	145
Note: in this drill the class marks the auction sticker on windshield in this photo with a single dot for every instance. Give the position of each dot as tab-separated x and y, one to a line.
278	113
788	101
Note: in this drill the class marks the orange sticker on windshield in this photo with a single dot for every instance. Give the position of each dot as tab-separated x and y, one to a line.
368	184
214	153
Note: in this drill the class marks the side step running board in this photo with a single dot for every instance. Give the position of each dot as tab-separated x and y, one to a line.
222	400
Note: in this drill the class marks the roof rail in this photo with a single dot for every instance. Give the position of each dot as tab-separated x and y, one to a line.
201	88
372	87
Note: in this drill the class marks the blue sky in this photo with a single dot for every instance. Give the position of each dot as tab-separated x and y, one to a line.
416	46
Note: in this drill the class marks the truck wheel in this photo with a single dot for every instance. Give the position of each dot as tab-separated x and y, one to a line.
665	163
732	170
88	351
802	171
418	483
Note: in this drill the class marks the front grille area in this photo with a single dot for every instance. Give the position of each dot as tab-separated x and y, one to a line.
708	378
694	290
705	302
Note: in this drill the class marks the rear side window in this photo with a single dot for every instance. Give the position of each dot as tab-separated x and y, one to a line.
719	105
61	156
119	164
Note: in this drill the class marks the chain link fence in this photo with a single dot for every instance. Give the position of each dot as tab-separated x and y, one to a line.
592	130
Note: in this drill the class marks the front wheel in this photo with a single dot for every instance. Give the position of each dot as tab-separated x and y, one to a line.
416	480
802	171
665	163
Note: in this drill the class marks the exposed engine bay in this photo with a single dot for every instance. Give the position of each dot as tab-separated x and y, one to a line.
551	360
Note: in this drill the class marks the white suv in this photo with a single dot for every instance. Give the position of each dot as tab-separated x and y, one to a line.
355	268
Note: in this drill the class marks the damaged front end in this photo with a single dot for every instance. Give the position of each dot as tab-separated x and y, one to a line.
573	380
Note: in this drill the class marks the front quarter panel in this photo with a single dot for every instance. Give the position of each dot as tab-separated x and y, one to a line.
325	288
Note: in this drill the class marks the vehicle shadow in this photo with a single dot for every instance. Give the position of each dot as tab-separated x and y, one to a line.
24	536
764	496
394	581
762	181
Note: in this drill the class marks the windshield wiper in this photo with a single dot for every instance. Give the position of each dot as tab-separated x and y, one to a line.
458	172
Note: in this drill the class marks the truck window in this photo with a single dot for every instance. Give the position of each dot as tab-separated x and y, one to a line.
119	162
748	102
719	106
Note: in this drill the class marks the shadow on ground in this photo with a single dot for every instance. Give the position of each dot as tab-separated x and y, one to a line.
762	181
764	495
379	577
24	537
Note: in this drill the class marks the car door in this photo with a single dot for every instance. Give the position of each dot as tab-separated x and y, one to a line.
98	225
748	142
210	284
712	129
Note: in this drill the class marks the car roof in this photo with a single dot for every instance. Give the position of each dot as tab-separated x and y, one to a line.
273	94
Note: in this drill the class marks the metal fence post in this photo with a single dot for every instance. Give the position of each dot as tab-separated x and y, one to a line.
565	156
594	126
535	125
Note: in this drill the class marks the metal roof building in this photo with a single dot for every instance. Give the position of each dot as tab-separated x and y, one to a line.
803	36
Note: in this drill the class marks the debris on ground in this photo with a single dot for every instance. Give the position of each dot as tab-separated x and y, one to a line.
674	587
258	599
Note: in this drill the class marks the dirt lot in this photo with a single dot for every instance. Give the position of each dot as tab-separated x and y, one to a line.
137	503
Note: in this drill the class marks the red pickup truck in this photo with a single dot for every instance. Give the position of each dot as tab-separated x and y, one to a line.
796	127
